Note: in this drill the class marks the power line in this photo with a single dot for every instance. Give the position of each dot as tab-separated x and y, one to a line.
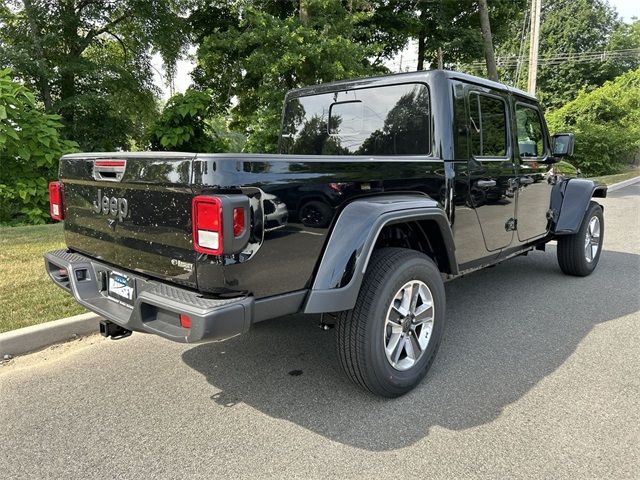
547	59
559	58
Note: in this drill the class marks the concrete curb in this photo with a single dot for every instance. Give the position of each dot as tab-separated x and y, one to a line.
625	183
35	337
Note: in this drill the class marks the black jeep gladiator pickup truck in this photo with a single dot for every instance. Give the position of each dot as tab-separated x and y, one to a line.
383	189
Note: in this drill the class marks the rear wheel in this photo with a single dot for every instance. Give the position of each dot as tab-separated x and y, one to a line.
388	341
578	254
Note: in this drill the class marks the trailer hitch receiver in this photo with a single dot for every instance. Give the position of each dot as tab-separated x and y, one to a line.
113	330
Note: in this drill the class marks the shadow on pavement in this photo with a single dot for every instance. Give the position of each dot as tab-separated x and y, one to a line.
507	328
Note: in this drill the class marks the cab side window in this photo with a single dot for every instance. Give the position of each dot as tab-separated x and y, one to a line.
530	132
488	125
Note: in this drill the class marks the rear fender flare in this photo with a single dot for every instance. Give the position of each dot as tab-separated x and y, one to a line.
570	200
337	282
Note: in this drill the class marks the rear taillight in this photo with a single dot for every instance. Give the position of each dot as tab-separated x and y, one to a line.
220	223
55	200
207	225
238	222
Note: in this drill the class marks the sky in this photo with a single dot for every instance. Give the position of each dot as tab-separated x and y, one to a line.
626	10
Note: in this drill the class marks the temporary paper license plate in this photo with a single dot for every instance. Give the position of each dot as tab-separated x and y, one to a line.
121	287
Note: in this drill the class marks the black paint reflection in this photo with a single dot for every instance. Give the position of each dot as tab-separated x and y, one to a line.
275	211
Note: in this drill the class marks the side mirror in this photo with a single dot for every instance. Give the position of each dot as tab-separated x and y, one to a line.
563	144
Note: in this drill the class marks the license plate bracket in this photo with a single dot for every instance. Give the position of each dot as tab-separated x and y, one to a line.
121	287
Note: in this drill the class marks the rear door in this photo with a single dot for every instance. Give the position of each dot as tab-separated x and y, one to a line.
491	170
535	177
133	211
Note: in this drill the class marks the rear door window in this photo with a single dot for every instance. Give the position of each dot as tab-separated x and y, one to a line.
488	125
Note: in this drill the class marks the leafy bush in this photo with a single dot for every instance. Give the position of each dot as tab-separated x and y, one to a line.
30	146
188	124
606	122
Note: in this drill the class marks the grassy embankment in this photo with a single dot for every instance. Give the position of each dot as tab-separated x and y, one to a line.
27	295
619	177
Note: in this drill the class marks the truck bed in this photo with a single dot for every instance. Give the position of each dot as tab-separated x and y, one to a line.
294	199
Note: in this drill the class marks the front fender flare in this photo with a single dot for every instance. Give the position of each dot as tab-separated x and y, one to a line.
353	238
569	202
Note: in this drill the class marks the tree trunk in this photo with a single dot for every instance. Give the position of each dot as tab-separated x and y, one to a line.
422	38
304	12
73	50
421	41
485	26
34	32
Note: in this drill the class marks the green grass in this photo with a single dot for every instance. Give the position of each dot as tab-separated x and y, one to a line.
27	295
618	177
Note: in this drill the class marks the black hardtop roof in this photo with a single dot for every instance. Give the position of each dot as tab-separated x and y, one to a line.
403	77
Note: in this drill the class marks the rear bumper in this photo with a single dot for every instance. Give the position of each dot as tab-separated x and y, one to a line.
157	306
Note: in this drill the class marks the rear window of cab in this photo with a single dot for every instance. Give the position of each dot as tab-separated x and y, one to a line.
386	120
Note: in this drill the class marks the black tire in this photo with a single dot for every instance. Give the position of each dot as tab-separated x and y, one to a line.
572	256
315	214
361	331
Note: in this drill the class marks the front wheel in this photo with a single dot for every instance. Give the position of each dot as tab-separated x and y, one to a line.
388	341
578	254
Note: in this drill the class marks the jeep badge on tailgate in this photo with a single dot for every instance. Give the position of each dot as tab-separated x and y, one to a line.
116	206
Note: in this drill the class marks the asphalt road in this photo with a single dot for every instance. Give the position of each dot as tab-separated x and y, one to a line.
538	376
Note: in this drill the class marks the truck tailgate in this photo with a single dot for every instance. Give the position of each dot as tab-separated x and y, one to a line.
132	210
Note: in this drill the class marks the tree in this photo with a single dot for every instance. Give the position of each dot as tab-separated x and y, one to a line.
576	27
89	60
454	28
189	124
255	55
582	45
30	146
606	123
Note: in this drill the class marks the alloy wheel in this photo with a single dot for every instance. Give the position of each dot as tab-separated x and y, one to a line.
408	326
592	239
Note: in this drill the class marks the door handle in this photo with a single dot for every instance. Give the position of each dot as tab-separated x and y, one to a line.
486	183
526	180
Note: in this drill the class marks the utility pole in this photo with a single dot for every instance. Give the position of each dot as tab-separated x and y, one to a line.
533	46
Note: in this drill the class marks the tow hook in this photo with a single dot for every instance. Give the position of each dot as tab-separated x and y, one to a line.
113	330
